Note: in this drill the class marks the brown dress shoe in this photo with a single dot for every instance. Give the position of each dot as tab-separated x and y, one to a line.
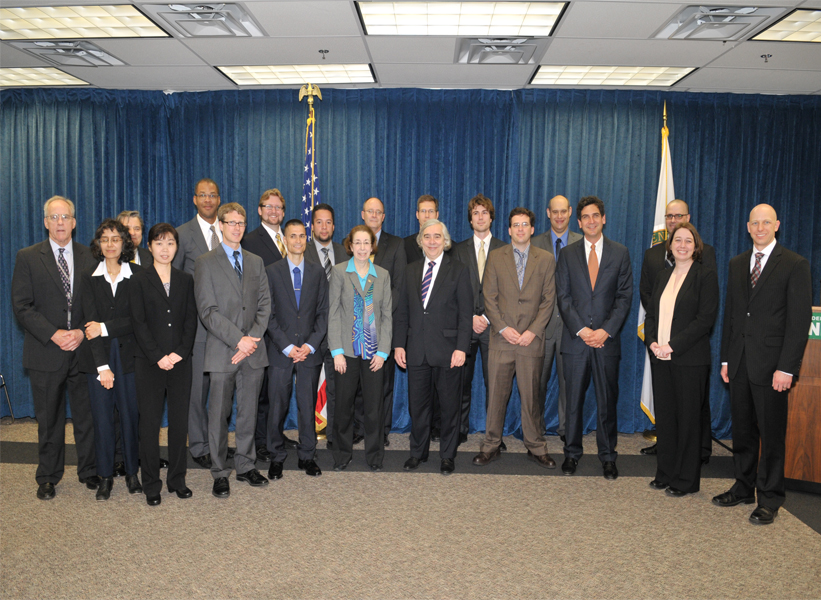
543	461
483	458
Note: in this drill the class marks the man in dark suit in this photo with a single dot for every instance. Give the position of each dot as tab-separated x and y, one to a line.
557	237
299	323
594	288
473	253
323	251
136	226
390	255
434	338
767	315
519	295
655	261
427	208
47	300
234	304
198	236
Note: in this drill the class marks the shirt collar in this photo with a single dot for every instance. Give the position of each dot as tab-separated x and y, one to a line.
55	247
270	229
563	237
437	261
207	226
599	244
351	268
101	271
229	251
477	242
767	251
292	266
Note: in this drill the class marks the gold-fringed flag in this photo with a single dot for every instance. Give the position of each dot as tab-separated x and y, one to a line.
666	194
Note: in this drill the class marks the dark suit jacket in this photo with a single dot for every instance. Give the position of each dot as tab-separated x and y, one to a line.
100	305
433	333
192	246
39	302
412	250
545	242
307	324
146	258
694	314
654	263
260	243
312	255
163	323
464	253
390	255
525	309
606	307
767	324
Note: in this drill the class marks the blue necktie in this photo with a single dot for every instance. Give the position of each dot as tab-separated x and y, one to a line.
237	266
297	284
558	247
426	281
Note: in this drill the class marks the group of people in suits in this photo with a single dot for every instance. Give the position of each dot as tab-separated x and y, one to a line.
209	312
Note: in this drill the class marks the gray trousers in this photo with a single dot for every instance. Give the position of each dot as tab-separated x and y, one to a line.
197	407
552	347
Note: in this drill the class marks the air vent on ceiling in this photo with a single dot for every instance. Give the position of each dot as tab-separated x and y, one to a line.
206	20
500	51
69	53
717	23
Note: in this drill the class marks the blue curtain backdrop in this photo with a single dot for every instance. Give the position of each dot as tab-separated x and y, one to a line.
112	150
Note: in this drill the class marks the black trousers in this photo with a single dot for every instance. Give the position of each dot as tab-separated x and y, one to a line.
358	372
759	413
281	383
153	385
476	344
389	376
424	381
678	395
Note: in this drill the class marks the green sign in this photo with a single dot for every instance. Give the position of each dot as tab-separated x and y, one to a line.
815	325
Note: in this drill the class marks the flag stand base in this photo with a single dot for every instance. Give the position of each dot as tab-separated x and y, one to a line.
320	435
650	435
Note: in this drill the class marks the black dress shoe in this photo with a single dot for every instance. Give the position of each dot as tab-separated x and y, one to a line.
221	489
310	467
153	500
649	450
92	481
658	485
357	438
329	444
763	515
375	468
502	446
435	434
484	458
569	466
387	441
563	439
45	491
675	493
231	452
413	463
203	461
132	482
163	463
610	470
263	454
119	469
104	489
342	466
730	499
253	477
289	443
275	471
447	467
543	461
182	492
705	460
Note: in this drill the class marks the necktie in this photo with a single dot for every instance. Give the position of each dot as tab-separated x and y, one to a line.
237	266
66	279
520	266
297	284
481	260
558	247
280	245
215	240
756	268
593	266
426	281
327	264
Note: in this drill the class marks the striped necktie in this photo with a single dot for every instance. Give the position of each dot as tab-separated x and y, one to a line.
237	266
280	245
65	278
215	240
327	263
756	268
426	281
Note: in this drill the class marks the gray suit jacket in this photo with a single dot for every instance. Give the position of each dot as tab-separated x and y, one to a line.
192	246
545	242
341	316
230	309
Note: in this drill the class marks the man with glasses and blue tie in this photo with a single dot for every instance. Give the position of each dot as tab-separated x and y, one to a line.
234	304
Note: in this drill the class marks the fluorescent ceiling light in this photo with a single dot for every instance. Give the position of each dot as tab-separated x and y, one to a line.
39	76
75	22
533	19
299	74
620	76
798	26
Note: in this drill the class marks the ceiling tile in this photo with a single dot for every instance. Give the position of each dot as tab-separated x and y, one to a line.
426	75
152	78
637	20
412	49
12	57
657	53
785	55
150	52
279	51
753	80
309	18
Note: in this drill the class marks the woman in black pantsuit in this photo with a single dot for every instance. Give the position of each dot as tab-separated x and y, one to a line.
677	332
164	313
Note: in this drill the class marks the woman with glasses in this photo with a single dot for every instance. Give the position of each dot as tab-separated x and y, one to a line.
359	337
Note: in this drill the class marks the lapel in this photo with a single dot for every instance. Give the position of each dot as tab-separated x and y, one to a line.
511	270
745	275
529	268
199	238
228	269
288	284
311	253
606	255
269	242
686	285
106	286
353	277
381	248
473	264
580	256
50	265
772	265
415	270
154	279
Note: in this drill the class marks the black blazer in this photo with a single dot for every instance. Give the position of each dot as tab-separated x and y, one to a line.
39	302
768	324
307	324
163	323
694	314
654	263
412	250
260	243
146	258
433	333
390	255
465	254
100	305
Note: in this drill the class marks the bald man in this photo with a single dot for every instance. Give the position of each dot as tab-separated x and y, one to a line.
767	315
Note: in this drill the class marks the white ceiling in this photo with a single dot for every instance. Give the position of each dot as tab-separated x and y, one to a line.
605	32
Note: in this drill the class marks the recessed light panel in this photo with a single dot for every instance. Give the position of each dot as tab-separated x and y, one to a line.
616	76
533	19
75	22
798	26
299	74
39	76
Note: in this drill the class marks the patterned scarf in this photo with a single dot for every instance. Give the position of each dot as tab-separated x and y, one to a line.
363	334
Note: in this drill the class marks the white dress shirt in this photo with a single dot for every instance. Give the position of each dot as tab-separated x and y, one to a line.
437	262
205	226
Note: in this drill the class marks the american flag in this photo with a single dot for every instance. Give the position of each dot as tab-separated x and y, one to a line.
310	186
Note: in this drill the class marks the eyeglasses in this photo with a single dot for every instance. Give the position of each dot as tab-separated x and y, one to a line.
375	213
675	217
241	224
272	207
202	196
55	218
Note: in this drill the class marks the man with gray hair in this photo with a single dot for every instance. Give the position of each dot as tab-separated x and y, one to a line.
136	226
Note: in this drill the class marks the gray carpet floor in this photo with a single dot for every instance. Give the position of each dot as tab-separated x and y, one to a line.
400	535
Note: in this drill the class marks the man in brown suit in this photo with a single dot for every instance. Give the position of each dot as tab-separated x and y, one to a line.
519	294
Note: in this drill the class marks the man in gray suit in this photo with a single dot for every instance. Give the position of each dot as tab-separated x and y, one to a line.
559	236
198	236
234	304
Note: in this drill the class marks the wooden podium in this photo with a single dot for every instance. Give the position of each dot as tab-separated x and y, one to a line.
803	459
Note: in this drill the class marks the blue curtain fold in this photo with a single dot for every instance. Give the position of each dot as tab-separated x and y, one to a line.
112	150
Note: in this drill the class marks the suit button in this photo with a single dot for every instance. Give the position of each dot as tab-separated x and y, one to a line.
748	314
169	324
169	310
